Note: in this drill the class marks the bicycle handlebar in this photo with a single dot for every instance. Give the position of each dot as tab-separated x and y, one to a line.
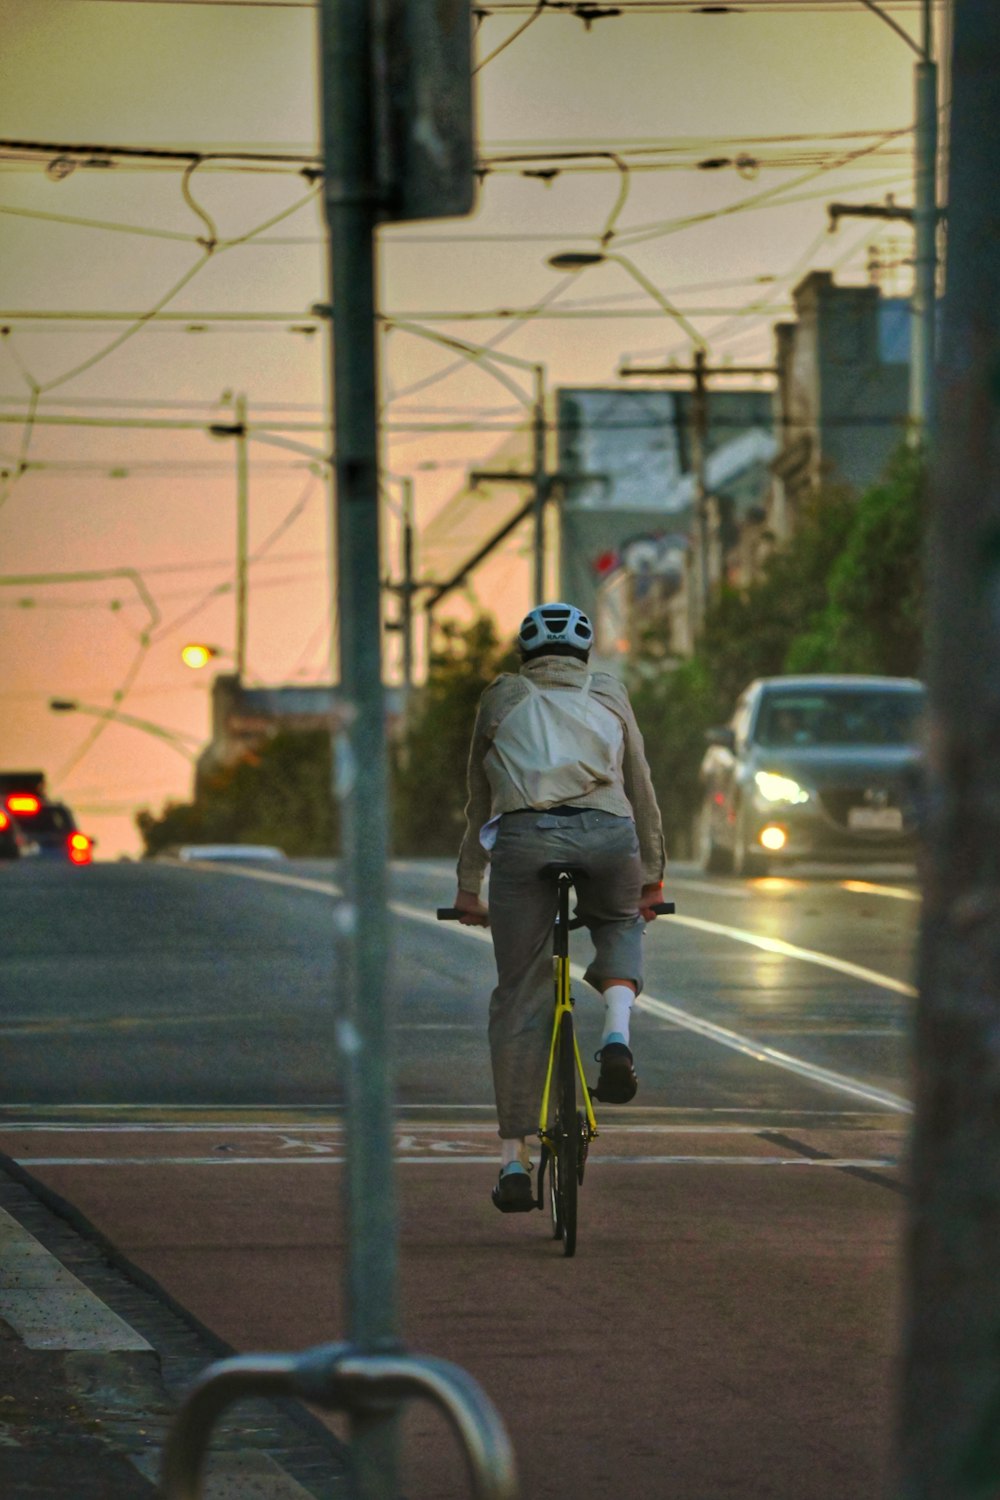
452	913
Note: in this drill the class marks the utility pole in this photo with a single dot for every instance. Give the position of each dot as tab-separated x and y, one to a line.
242	532
925	228
706	566
924	216
950	1409
699	460
405	590
541	480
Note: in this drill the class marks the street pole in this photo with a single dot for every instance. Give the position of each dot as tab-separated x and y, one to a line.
541	481
699	465
242	529
701	573
361	781
950	1419
406	596
925	221
923	216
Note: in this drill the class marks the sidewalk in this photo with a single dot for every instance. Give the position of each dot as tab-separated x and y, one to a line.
94	1358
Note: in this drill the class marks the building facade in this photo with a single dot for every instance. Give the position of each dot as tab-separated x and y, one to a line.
842	394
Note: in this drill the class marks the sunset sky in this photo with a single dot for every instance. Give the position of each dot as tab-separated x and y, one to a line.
121	481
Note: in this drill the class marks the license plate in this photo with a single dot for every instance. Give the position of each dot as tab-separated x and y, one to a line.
885	819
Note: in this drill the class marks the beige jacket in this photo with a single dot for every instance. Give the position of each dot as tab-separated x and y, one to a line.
633	797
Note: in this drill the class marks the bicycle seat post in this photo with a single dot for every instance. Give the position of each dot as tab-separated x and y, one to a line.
562	921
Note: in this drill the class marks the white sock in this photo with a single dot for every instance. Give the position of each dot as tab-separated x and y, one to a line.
514	1149
618	1001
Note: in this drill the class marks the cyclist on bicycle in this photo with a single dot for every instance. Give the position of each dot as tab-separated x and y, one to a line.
557	772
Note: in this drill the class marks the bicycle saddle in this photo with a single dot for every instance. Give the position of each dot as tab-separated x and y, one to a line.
557	868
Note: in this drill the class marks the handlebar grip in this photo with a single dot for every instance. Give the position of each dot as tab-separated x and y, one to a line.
664	908
448	914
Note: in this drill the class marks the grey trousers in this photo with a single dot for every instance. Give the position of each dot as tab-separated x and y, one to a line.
522	911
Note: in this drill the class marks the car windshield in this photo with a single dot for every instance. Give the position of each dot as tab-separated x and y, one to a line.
837	716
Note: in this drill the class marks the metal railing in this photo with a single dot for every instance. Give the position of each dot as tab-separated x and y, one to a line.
337	1378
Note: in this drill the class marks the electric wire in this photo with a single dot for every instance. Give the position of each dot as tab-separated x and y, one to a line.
484	62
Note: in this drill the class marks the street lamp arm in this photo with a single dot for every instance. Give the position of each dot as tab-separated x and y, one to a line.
658	297
477	353
923	52
173	737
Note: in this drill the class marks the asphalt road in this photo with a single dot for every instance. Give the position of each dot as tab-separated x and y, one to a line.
159	984
728	1326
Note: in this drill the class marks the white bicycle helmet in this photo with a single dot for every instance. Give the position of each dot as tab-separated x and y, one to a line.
549	625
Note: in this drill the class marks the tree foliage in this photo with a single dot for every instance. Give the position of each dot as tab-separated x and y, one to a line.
872	620
429	760
280	795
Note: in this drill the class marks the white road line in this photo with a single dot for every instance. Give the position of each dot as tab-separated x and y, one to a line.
229	1116
303	882
403	1127
436	1026
789	950
811	1072
731	892
869	888
451	1159
725	1037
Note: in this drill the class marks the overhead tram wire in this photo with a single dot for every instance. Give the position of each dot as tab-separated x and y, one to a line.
209	246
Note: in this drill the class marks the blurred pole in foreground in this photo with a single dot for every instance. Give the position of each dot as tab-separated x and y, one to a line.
949	1439
361	775
397	144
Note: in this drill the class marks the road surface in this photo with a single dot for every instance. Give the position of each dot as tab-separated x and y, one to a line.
728	1325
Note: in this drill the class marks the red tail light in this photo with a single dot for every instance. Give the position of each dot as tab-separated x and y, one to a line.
4	820
23	803
80	849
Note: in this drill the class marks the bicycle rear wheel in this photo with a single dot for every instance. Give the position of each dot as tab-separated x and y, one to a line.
565	1158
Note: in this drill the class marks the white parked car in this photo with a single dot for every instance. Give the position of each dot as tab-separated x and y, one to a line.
196	853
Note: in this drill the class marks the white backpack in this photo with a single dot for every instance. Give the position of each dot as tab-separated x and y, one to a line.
557	744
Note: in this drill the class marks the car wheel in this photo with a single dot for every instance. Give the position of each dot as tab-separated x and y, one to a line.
713	858
748	861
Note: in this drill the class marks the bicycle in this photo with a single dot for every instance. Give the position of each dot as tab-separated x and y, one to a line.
566	1140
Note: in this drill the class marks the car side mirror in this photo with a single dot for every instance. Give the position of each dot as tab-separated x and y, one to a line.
723	736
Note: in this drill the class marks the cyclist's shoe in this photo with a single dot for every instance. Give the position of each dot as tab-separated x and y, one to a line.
617	1083
513	1193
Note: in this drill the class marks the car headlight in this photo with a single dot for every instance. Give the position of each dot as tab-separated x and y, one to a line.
775	788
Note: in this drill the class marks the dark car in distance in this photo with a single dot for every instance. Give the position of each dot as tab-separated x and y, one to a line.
813	768
14	844
50	827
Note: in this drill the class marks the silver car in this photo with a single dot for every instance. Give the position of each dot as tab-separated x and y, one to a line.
813	768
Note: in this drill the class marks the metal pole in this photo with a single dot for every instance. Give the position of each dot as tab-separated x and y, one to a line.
541	488
951	1372
363	1029
242	527
408	591
925	219
699	463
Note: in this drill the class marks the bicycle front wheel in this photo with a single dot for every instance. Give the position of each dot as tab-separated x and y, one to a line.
565	1158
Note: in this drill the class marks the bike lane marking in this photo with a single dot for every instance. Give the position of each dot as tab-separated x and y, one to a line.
709	1030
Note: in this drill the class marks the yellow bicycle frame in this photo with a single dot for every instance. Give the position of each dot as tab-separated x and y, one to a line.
560	972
